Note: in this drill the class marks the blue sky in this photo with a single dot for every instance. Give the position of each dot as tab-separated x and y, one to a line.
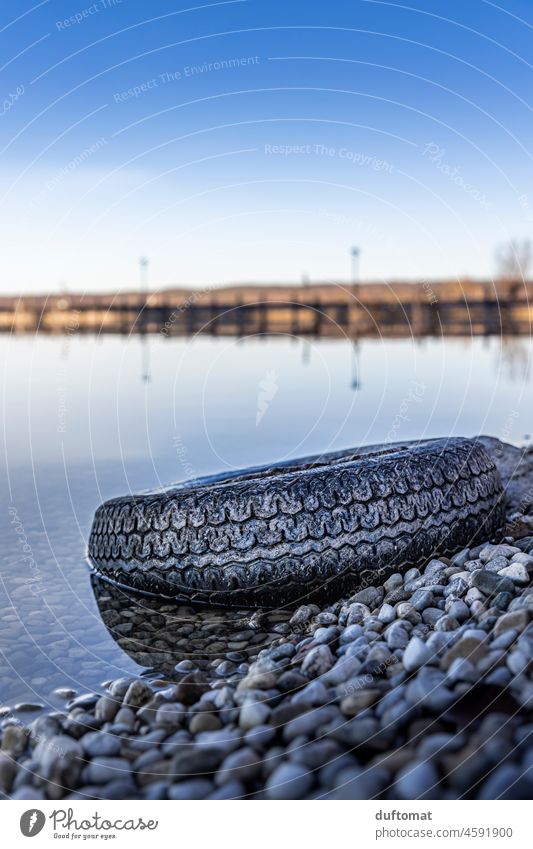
259	140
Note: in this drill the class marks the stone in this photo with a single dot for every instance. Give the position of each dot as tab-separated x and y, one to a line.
259	679
318	661
344	669
289	781
357	783
260	736
253	713
106	708
518	662
507	782
504	640
517	572
64	693
501	601
303	615
26	792
170	715
416	654
405	610
474	594
15	739
489	552
446	623
231	790
196	788
411	575
459	610
371	596
490	584
137	694
204	721
517	620
462	670
119	687
357	613
8	770
387	613
417	780
53	751
191	687
243	765
350	633
422	599
397	636
525	559
98	743
431	615
470	648
461	557
313	695
307	724
125	719
197	760
43	727
496	564
102	770
358	701
393	583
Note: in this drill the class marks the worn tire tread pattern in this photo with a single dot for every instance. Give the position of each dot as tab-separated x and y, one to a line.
269	537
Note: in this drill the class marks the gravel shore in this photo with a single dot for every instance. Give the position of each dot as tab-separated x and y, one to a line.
417	687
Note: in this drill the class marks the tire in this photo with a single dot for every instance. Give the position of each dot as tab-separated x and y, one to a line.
316	527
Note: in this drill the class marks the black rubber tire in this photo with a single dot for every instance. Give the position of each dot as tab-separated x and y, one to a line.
318	526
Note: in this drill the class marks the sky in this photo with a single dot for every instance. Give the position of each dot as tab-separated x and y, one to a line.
257	140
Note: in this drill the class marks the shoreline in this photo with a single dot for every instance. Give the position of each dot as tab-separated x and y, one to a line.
420	687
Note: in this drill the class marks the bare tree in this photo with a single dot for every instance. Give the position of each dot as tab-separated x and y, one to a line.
513	261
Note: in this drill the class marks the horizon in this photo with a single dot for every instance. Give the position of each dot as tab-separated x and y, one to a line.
241	139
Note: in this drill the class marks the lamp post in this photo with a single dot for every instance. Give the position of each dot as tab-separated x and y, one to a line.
146	376
143	267
355	253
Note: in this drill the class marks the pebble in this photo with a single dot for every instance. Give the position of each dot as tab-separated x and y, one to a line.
517	621
253	714
204	722
137	694
417	780
469	647
459	610
289	781
14	740
357	783
97	743
397	636
517	572
243	765
361	698
490	584
318	661
106	708
358	701
416	654
197	788
104	769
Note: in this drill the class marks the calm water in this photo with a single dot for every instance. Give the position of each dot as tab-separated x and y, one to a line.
85	419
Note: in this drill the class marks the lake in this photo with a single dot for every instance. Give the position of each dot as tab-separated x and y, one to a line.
86	418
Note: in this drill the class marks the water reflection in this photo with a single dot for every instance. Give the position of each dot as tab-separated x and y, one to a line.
160	635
